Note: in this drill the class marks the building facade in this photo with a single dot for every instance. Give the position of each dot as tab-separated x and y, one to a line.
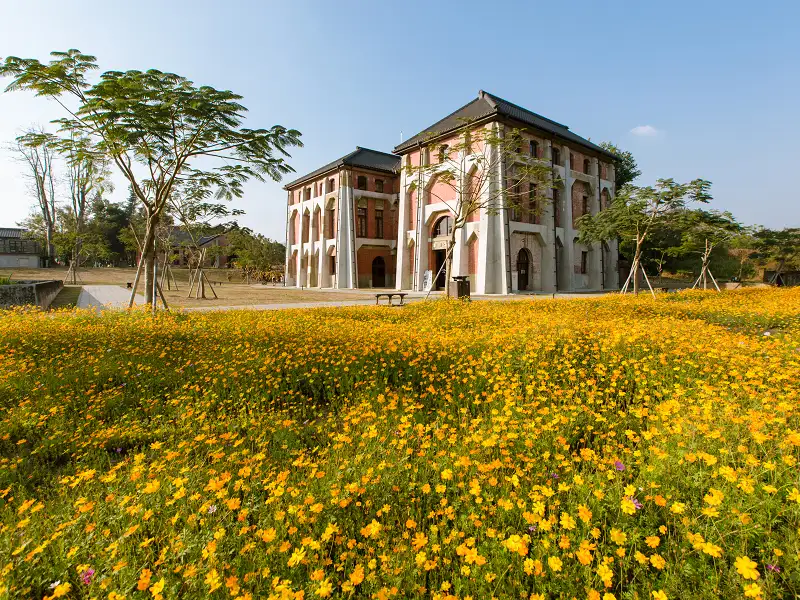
341	228
503	251
18	252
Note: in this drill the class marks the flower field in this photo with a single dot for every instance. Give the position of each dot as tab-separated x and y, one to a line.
592	449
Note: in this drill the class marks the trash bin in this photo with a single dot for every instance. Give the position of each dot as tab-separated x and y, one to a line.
460	286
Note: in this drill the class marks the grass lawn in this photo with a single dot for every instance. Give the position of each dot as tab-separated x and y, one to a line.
602	448
67	297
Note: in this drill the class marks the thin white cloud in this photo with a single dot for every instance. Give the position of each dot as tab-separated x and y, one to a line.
645	131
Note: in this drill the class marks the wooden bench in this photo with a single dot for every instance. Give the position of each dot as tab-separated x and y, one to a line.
390	295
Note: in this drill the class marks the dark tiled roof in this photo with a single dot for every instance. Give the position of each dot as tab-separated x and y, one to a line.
487	105
11	232
360	157
180	237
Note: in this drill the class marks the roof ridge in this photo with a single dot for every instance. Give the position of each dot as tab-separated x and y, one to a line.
526	110
376	151
428	129
489	98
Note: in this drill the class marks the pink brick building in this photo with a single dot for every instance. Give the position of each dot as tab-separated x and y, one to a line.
364	221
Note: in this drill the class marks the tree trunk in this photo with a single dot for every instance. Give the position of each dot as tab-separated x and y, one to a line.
635	268
148	256
448	261
51	248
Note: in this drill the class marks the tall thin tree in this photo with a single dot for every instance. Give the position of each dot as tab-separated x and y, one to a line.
160	130
35	151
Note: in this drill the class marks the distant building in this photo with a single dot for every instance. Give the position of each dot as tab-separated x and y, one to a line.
363	221
183	248
342	223
17	252
785	278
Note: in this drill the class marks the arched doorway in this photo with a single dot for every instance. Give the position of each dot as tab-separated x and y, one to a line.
441	237
378	272
523	269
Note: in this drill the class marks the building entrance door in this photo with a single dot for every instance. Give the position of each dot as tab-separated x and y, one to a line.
522	269
378	272
439	256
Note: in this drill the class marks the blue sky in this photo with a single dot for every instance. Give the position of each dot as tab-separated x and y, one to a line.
693	89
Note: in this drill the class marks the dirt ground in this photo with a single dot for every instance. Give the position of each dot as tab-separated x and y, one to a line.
252	295
230	292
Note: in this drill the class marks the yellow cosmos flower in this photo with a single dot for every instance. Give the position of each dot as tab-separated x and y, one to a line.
566	521
746	567
618	537
213	581
752	590
554	563
652	541
357	576
627	506
324	589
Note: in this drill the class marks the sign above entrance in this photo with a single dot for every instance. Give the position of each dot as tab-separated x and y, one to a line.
440	244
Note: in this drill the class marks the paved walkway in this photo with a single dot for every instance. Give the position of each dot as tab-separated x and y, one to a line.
101	297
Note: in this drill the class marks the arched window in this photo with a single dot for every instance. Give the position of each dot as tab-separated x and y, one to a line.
443	227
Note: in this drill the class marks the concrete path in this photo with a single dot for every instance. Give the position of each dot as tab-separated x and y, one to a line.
101	297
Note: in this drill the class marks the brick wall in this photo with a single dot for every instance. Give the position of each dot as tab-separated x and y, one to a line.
579	190
440	192
604	199
364	259
472	259
534	251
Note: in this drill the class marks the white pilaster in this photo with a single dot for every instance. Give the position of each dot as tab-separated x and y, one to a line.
567	270
300	274
403	212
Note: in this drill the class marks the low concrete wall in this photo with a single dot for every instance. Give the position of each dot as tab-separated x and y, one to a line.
21	293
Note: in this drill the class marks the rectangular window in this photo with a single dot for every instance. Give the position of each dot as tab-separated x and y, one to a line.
379	224
585	205
584	262
332	263
362	182
534	147
379	186
571	161
362	222
532	206
556	156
